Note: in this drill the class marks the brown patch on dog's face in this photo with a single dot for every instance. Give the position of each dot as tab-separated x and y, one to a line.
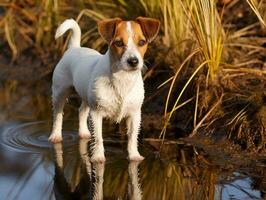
121	39
139	39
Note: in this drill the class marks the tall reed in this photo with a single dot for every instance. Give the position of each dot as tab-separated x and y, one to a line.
208	31
259	8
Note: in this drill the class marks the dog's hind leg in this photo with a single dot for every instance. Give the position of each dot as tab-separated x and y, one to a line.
58	99
83	120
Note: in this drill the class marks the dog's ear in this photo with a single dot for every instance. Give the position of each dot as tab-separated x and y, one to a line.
107	28
150	27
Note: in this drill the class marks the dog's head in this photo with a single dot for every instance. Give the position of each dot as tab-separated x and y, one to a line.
128	40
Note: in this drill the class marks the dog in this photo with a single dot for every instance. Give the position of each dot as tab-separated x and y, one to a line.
110	85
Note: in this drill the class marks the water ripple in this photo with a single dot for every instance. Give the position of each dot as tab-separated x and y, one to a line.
33	137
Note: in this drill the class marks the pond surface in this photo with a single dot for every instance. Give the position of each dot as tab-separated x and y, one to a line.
32	168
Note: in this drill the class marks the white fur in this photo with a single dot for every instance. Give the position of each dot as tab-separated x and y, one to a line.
76	35
106	91
135	189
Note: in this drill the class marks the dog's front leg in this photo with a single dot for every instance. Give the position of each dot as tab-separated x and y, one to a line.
83	121
133	126
98	149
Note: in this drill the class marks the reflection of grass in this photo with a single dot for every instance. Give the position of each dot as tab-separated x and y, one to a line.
163	179
20	102
183	173
24	101
28	101
181	179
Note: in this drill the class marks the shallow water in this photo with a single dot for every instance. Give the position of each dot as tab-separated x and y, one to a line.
32	168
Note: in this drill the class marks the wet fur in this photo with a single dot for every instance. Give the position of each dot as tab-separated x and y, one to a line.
107	86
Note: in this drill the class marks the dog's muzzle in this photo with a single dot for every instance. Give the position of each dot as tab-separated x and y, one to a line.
133	62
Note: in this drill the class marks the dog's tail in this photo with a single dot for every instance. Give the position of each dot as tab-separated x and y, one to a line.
76	33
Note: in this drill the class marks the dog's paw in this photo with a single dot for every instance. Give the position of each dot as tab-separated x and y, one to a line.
55	138
136	158
84	135
98	159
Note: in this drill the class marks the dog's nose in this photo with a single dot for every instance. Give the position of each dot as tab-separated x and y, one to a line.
133	61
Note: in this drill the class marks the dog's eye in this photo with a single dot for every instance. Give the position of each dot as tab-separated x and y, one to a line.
119	43
142	43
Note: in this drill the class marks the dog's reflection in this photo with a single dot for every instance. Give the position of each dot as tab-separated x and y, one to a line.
134	190
89	178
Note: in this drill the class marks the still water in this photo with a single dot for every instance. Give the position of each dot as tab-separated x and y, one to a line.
32	168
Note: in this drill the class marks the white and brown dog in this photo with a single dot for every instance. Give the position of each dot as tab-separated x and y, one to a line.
109	85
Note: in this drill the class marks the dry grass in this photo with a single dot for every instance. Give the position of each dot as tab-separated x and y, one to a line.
208	32
259	7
